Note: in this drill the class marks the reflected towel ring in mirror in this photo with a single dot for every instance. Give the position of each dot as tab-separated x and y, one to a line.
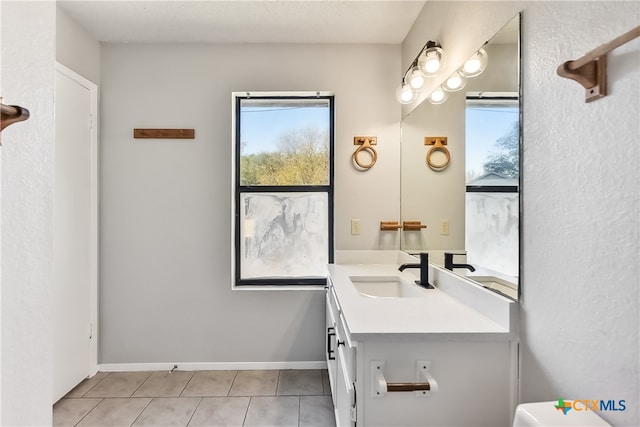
438	143
365	145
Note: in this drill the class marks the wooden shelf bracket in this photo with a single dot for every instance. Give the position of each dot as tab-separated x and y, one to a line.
591	70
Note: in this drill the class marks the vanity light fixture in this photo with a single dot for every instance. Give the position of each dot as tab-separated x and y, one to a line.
475	65
455	82
438	96
427	63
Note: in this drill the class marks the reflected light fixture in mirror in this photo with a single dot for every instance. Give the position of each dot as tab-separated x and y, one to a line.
455	82
438	96
475	65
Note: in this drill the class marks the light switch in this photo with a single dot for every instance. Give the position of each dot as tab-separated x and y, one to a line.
355	227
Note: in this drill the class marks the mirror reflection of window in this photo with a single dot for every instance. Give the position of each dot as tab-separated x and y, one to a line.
492	135
492	172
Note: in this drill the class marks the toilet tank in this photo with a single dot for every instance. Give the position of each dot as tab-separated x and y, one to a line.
539	414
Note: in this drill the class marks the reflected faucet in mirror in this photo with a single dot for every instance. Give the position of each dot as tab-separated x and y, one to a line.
449	265
424	270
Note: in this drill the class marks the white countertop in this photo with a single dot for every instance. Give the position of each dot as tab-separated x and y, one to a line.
436	316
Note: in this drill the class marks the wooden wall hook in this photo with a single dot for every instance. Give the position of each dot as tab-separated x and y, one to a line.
591	69
365	145
438	143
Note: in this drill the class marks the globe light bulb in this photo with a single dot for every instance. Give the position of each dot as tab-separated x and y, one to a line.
472	65
455	82
438	96
475	65
431	61
415	78
405	94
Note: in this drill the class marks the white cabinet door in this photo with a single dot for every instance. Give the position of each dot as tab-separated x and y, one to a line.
330	346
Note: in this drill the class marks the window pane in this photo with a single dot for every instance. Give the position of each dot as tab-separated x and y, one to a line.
492	172
492	231
283	235
284	141
492	141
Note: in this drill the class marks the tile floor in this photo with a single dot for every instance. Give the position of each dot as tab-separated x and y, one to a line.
296	398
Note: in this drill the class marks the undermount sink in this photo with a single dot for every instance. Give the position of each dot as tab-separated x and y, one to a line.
497	284
386	287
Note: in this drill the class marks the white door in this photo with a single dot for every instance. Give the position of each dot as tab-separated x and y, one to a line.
75	232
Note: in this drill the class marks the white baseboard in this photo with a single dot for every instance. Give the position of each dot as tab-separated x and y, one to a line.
209	366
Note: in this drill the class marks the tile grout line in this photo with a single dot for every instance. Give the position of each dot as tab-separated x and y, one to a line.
246	412
232	382
193	374
143	381
143	409
194	412
93	386
89	411
278	382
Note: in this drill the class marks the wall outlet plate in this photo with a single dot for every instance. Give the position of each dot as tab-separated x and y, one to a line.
355	227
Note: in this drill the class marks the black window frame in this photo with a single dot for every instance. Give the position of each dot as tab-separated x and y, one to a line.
240	189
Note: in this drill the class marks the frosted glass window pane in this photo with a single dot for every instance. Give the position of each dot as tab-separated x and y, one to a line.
284	235
492	231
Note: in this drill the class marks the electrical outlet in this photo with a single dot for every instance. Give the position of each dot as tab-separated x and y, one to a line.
355	227
444	227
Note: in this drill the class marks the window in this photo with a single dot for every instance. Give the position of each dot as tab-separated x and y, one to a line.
493	170
283	199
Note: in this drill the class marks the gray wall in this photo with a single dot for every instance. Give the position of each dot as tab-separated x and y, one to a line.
580	236
77	49
165	248
581	211
27	79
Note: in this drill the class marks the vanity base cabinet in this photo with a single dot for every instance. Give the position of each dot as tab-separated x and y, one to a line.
475	378
341	359
474	381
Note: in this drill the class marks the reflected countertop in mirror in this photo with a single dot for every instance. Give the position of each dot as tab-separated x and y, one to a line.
471	207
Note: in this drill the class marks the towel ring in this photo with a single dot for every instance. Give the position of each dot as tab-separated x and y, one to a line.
438	146
366	145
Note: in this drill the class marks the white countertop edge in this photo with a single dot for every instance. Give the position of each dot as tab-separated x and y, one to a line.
470	306
435	336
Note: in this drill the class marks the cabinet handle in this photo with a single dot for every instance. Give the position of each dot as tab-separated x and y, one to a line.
425	385
408	387
340	343
330	351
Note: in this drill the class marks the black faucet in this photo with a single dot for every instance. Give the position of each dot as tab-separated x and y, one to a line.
449	265
424	270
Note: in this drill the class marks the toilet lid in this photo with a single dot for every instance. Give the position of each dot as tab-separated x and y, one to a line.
545	414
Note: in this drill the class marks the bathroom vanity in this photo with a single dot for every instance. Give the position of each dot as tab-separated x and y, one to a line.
402	355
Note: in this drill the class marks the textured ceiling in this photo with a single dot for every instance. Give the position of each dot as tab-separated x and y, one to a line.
267	21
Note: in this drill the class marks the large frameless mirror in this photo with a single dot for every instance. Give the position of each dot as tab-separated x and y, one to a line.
472	206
